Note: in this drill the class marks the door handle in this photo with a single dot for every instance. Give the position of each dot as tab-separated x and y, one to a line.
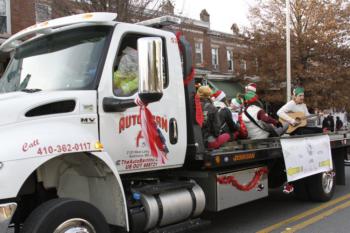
173	131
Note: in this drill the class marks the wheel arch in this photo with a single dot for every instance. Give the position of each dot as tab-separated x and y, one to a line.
88	176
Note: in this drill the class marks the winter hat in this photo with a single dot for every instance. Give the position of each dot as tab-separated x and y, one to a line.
219	104
204	92
250	97
236	102
250	87
298	91
218	95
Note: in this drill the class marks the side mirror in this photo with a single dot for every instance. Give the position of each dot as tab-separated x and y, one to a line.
150	56
150	59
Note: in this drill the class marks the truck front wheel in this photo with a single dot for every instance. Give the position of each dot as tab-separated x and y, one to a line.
65	215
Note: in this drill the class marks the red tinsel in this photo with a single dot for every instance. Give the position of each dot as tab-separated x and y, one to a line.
189	77
243	132
247	187
199	112
153	137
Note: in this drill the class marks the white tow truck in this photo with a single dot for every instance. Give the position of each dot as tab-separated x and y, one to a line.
73	156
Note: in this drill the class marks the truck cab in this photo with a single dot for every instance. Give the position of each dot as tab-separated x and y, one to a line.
70	90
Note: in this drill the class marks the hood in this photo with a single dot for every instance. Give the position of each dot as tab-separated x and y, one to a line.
17	107
42	123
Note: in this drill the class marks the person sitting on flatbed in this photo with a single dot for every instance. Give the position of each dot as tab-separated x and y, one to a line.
259	124
228	125
297	105
212	136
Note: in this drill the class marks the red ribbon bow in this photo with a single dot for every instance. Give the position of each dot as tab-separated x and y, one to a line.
153	136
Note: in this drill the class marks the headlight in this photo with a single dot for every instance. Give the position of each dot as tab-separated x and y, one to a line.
6	212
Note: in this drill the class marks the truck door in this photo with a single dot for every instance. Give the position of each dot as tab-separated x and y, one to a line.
120	131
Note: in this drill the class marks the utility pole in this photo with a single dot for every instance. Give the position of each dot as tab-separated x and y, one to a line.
289	89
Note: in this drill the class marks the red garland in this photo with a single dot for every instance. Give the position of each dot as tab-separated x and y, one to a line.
190	75
252	184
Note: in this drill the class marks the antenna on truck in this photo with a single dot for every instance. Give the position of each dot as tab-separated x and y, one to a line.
160	22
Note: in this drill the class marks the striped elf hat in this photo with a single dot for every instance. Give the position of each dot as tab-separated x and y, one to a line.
218	95
298	91
236	102
250	87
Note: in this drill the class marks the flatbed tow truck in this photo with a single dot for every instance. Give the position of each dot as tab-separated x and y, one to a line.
75	159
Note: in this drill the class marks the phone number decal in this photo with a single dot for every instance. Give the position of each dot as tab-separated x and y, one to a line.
63	148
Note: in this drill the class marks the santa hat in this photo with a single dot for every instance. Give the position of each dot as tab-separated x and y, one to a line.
236	102
218	95
250	87
250	97
219	104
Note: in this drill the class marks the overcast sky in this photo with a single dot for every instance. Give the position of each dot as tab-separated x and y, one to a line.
223	13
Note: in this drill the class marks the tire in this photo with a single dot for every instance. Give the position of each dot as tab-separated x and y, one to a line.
63	215
321	186
300	190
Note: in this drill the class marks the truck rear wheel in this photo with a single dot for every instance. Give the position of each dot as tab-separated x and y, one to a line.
321	186
65	215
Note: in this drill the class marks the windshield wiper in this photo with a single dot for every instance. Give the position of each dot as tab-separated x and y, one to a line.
31	90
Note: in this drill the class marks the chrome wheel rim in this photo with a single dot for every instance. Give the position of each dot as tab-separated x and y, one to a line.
75	225
327	181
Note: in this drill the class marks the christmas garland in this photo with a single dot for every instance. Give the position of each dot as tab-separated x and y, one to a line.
243	187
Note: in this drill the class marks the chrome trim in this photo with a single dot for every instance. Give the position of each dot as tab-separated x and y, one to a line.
6	212
75	225
150	65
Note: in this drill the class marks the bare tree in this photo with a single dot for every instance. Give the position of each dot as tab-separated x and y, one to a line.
127	10
320	48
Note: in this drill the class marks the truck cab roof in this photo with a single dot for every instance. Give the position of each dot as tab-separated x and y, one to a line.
55	25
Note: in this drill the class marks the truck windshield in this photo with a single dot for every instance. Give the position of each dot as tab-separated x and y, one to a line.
62	61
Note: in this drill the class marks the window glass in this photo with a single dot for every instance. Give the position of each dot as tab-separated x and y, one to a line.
215	58
66	60
230	60
125	71
199	52
243	65
3	17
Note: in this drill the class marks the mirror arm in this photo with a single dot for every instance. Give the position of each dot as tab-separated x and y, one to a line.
111	104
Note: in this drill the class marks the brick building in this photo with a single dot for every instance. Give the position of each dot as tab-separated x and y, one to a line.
16	15
219	58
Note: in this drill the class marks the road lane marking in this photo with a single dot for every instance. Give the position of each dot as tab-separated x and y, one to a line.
317	218
304	214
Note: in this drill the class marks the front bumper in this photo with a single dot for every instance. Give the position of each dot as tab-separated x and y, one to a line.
6	212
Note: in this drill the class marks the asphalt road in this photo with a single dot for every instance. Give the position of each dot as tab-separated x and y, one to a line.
279	208
283	213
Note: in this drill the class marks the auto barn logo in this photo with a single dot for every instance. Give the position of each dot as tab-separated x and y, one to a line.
127	122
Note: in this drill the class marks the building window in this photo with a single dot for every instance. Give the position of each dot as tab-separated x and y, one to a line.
230	66
243	65
215	58
42	12
5	16
199	52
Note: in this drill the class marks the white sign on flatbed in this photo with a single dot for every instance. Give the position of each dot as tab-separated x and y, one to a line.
306	156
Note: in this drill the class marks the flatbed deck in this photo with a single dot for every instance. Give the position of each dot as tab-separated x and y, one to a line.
252	151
